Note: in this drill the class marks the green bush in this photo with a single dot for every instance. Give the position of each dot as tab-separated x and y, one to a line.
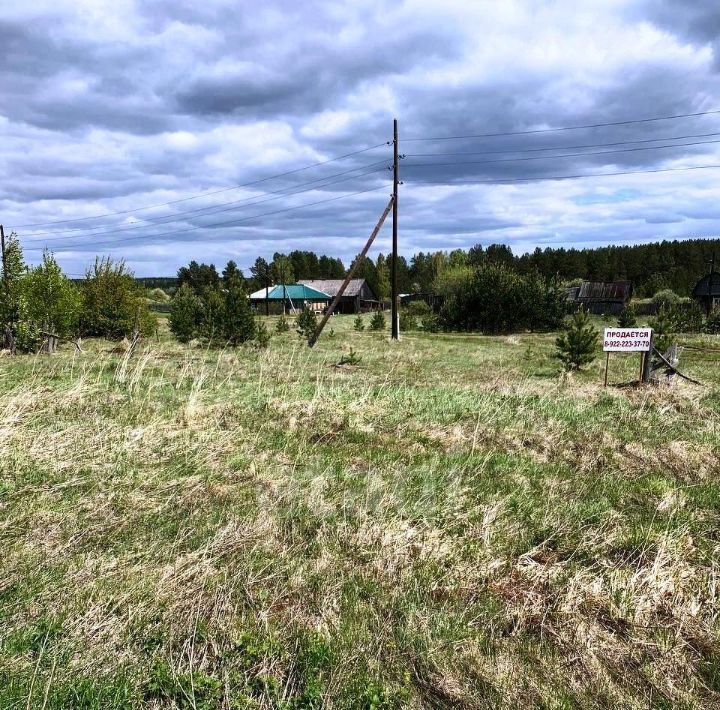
282	325
306	324
238	322
431	323
359	324
666	297
377	322
712	324
495	299
419	309
113	302
577	344
408	321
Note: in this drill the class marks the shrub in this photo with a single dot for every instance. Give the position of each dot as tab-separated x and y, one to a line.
282	325
306	324
495	299
577	344
419	309
431	323
666	297
359	324
626	318
113	302
185	314
157	295
407	321
712	324
377	322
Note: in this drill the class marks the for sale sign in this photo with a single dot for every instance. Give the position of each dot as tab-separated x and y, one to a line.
627	340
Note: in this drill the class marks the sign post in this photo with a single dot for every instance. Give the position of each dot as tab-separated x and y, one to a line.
629	340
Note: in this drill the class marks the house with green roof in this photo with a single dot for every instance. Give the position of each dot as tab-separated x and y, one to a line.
284	298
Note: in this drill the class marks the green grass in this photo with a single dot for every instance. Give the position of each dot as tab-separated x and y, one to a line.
449	523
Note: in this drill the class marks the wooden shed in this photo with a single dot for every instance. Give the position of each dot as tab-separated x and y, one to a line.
602	298
707	291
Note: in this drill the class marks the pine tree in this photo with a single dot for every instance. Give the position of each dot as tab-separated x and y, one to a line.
358	324
185	313
306	324
626	318
282	325
576	346
262	336
238	322
377	322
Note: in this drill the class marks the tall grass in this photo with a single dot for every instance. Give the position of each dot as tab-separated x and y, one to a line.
450	523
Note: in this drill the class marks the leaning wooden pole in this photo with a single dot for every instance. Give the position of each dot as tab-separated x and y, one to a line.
350	274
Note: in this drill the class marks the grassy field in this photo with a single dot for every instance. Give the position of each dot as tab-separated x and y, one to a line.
449	523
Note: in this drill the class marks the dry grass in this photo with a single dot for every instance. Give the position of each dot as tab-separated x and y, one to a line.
450	523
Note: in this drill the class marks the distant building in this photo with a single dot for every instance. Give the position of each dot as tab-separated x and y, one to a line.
602	298
358	295
284	298
707	291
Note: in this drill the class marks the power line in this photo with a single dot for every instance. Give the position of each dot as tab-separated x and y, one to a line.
205	194
565	147
549	157
213	209
540	178
208	226
567	128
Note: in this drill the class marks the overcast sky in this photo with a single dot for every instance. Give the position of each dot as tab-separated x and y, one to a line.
108	107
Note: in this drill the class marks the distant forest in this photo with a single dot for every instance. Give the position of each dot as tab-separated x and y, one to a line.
675	265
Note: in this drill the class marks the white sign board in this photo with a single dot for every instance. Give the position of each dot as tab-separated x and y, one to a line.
627	340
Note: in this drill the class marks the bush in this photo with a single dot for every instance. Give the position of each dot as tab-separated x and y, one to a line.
282	325
431	323
113	302
377	322
712	324
666	297
352	358
494	299
577	345
359	324
626	318
663	326
419	309
407	321
306	324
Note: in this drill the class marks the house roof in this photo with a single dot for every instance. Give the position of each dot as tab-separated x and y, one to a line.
332	286
602	291
294	292
708	285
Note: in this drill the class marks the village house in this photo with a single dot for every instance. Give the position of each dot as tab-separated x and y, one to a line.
289	298
358	295
602	298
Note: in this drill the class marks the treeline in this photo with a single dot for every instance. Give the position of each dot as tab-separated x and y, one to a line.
674	265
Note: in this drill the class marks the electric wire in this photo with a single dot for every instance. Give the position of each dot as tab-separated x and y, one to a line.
206	194
228	223
214	209
566	128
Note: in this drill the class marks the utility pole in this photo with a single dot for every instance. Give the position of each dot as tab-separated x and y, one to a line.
710	285
395	326
2	248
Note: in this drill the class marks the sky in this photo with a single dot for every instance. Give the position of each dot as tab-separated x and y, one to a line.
169	130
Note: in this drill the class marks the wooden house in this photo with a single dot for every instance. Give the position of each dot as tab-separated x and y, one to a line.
358	296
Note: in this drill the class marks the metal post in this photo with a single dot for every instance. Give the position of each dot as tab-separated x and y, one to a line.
395	326
607	365
647	362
